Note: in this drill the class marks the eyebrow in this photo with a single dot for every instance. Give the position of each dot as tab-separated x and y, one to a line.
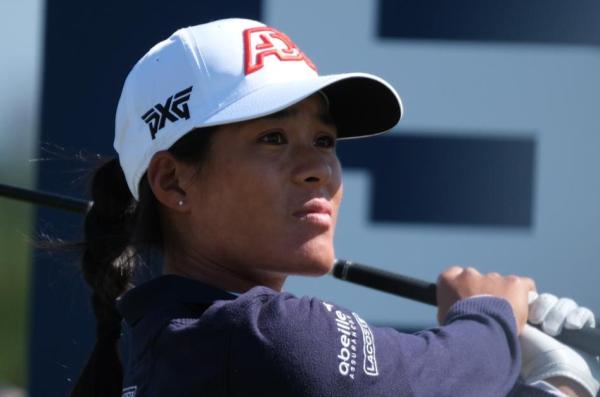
324	117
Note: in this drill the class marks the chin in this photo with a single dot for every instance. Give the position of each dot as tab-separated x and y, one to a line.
314	259
318	268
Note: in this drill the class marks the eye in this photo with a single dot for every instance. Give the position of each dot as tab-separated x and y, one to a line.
273	138
325	141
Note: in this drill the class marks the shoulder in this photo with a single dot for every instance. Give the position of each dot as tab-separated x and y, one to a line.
279	322
261	306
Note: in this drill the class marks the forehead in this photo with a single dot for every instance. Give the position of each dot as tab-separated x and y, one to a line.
312	110
315	106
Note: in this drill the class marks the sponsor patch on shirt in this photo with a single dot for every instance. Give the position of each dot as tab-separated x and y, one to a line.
348	349
369	358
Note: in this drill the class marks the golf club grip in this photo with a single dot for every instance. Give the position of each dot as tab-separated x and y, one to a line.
586	339
383	280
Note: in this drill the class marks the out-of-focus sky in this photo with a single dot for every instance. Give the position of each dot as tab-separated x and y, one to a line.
21	32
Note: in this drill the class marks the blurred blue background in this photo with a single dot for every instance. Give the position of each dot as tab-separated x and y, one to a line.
493	166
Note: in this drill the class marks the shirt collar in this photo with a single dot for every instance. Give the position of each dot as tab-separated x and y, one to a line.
166	290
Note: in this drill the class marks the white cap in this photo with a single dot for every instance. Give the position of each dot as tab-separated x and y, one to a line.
228	71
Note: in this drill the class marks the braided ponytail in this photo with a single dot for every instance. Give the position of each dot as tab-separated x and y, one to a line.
117	228
107	266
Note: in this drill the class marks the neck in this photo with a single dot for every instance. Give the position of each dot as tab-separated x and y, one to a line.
226	277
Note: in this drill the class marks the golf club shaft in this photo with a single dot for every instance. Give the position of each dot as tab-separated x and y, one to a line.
44	198
586	339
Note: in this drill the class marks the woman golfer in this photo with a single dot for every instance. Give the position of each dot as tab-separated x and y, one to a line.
227	171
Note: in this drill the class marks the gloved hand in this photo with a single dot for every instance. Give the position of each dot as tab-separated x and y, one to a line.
544	357
553	313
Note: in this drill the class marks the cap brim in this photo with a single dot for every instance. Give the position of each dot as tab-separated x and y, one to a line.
361	104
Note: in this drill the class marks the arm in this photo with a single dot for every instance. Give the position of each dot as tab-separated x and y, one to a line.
305	347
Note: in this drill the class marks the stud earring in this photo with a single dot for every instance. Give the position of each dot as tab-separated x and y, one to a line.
180	203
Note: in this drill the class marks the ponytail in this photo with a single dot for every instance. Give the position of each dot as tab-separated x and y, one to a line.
116	229
107	266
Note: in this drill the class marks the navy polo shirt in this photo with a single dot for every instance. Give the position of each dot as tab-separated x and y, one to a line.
191	339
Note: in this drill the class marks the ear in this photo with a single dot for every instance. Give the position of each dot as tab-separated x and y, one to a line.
166	177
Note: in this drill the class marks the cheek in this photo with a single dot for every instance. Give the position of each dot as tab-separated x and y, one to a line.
244	203
256	194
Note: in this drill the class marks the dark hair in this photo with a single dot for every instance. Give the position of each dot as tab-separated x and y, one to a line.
117	228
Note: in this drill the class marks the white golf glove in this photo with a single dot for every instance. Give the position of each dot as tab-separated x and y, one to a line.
544	357
552	313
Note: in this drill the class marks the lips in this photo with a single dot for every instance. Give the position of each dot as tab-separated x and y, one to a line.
315	211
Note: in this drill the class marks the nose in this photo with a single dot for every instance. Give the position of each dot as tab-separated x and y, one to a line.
313	170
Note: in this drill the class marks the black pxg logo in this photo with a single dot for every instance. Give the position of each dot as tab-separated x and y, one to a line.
175	108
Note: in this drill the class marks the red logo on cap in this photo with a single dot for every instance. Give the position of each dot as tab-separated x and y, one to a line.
261	42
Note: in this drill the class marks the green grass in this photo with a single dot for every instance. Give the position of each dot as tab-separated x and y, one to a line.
15	253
